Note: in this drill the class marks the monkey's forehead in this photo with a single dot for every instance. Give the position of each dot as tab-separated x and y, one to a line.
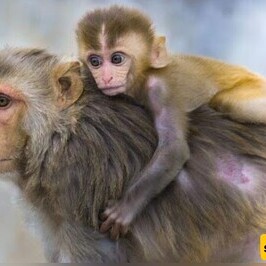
113	23
20	60
27	70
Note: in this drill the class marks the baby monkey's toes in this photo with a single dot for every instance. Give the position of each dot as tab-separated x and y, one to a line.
116	220
221	103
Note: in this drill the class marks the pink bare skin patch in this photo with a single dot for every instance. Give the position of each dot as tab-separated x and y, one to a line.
238	171
231	169
235	170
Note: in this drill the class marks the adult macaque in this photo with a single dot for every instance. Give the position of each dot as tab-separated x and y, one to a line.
62	135
124	55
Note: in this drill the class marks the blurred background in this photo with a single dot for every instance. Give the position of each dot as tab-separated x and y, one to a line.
231	30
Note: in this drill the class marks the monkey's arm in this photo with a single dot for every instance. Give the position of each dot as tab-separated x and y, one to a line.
237	91
170	155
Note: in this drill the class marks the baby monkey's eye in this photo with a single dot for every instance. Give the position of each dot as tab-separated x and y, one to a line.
5	101
95	60
117	58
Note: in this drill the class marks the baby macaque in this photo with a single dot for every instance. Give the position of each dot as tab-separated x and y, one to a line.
123	53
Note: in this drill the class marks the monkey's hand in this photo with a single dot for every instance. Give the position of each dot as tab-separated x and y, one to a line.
117	218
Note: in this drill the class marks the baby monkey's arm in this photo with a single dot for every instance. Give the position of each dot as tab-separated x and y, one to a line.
169	157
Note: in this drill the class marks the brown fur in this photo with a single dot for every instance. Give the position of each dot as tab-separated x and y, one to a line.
77	158
115	25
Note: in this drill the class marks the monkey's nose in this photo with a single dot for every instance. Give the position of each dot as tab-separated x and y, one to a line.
107	80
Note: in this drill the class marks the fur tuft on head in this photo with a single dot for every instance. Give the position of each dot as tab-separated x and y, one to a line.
113	19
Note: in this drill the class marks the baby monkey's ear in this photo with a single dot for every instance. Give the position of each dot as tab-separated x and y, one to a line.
159	54
68	84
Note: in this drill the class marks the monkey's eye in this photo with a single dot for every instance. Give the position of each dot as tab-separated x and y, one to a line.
117	58
95	60
5	101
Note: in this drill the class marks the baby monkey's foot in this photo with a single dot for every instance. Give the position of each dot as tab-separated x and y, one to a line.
117	219
223	102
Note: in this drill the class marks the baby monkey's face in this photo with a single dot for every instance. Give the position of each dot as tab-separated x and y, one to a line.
119	46
116	67
110	70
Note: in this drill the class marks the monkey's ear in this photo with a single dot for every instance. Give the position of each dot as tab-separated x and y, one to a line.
68	84
159	55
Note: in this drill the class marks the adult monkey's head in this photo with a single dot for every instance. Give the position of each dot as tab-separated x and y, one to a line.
35	89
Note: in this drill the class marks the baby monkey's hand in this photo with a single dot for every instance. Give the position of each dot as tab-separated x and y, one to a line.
117	218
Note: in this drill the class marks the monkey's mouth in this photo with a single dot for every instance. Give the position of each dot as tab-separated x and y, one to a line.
113	90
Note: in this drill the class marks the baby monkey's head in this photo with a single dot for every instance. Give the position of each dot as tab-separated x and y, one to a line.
119	46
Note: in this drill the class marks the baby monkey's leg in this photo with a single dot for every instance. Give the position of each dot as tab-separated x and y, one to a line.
169	157
245	102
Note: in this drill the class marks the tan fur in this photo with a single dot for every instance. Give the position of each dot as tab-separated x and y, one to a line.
132	44
66	77
159	55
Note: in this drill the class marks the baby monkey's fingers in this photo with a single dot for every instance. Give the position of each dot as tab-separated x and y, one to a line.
108	223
